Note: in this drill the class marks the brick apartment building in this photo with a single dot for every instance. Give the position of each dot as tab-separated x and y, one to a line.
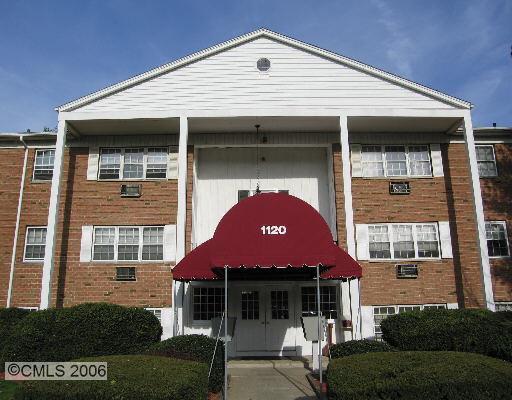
139	174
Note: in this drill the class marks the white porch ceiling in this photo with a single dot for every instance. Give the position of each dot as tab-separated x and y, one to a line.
157	126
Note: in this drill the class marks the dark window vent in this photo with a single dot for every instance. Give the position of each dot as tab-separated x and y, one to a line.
399	188
131	190
406	271
125	274
263	64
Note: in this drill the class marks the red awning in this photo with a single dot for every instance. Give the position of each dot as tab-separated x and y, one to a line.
270	230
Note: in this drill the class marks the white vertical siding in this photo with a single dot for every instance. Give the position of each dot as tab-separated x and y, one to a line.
222	172
296	79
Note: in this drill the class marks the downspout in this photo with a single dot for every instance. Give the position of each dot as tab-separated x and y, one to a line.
16	229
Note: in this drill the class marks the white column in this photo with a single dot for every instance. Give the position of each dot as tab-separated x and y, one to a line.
181	217
53	217
479	211
182	190
349	226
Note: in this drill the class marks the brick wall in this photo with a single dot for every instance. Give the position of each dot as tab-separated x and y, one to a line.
34	212
98	203
497	198
431	199
11	166
339	197
86	202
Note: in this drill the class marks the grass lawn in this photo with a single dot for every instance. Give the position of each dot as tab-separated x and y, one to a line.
7	390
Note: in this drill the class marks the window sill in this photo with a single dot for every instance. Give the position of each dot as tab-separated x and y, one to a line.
134	180
122	262
394	178
33	261
38	181
499	257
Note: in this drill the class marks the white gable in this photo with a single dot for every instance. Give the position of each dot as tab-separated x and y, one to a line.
297	79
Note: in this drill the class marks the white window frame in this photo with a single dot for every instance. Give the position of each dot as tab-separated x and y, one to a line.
493	160
414	238
504	224
32	260
116	244
336	300
397	308
201	322
407	161
144	163
35	161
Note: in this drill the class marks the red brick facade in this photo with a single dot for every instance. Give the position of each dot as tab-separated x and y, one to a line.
497	196
85	202
447	198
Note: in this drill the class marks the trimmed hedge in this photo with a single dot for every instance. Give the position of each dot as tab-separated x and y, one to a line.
195	348
419	376
131	377
358	347
474	331
9	317
85	330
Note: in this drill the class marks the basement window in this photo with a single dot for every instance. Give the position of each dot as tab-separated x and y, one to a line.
380	313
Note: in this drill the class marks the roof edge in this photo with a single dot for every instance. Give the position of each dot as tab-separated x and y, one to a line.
262	32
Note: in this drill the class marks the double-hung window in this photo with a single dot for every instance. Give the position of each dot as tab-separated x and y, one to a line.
128	243
396	161
486	161
403	241
43	165
380	313
133	163
497	240
35	243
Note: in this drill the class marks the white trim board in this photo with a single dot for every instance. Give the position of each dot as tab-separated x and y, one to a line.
262	112
72	105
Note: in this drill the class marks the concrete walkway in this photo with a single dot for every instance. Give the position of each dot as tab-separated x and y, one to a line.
268	380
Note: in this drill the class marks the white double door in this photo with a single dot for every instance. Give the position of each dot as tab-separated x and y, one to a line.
265	319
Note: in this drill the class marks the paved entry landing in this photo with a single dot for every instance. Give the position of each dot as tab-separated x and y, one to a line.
268	380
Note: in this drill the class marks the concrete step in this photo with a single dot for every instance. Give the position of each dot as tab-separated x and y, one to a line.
281	362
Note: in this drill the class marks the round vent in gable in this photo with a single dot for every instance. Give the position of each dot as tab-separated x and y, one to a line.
263	64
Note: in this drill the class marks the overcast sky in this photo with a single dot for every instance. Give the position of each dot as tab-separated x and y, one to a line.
55	51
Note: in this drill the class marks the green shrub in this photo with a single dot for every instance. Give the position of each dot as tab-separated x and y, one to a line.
9	317
81	331
196	348
132	377
475	331
358	347
419	376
